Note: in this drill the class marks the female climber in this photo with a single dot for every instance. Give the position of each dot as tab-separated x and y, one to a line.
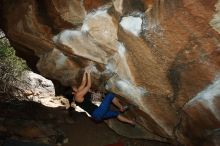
82	98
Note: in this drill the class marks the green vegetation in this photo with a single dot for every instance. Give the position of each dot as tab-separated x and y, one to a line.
11	67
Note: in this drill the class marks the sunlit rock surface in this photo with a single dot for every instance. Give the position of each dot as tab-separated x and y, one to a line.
215	23
39	89
132	24
161	56
37	84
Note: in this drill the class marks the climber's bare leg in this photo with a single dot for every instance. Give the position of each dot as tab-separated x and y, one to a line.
117	103
125	120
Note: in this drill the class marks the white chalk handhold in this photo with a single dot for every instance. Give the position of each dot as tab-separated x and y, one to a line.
132	24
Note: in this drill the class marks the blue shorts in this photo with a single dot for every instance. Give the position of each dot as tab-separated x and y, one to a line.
103	111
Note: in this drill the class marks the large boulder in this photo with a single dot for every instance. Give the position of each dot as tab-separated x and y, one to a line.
36	88
161	56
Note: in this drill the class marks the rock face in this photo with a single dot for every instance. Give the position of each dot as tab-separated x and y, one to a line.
39	89
162	56
35	84
29	123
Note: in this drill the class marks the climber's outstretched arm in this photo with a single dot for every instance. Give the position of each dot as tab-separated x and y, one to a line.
80	93
83	83
89	82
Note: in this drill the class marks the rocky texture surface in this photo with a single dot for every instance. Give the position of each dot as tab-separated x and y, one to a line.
216	19
160	55
39	89
35	85
32	123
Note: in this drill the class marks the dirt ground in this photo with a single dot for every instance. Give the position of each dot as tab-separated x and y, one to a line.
33	122
86	132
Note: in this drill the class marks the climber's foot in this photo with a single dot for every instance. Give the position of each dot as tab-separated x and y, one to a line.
124	108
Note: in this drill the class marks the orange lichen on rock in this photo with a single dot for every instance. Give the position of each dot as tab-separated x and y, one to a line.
92	4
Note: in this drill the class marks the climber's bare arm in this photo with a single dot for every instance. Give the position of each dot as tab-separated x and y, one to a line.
89	82
79	96
83	84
